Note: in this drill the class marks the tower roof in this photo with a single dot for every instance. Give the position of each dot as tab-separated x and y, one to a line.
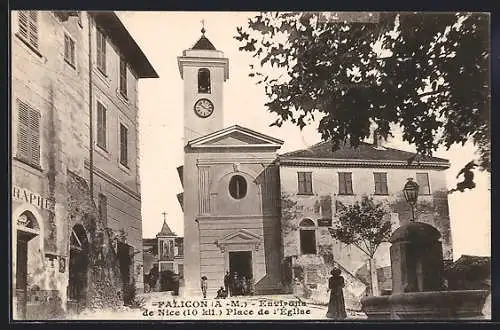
165	230
204	44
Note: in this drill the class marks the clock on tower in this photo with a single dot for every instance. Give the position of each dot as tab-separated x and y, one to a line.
204	69
203	108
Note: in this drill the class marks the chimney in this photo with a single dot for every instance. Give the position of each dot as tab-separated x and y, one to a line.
378	140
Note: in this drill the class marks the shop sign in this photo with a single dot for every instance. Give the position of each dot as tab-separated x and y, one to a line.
325	222
27	196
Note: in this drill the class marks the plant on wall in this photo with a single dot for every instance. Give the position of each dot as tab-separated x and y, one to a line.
363	225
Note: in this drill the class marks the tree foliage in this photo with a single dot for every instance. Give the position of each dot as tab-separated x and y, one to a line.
427	73
362	225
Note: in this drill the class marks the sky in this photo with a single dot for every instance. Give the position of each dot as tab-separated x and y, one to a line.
163	36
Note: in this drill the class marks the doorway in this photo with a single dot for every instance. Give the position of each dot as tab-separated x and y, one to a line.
78	267
240	268
240	262
125	254
27	230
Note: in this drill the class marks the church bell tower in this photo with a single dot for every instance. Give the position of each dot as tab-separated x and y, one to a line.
204	69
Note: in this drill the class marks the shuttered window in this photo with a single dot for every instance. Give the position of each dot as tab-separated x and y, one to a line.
28	27
326	207
69	50
28	139
380	183
304	183
345	183
123	145
123	77
423	184
101	126
101	51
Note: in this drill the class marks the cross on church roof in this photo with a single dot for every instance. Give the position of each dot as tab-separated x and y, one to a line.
203	27
165	229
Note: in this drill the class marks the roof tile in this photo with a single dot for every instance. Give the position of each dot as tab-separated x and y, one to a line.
365	151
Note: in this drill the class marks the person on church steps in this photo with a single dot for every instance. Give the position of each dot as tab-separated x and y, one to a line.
244	286
227	282
235	283
204	286
221	293
336	305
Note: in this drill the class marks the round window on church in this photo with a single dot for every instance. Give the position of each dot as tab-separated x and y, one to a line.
238	187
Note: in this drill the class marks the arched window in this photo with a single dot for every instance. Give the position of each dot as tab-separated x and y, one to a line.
307	237
204	81
238	187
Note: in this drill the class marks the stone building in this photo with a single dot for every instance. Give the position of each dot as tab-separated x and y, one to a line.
75	185
265	216
315	180
165	252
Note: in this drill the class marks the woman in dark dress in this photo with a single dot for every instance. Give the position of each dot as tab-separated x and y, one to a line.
336	305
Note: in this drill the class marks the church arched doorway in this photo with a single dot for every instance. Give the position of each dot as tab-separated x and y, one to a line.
28	235
78	266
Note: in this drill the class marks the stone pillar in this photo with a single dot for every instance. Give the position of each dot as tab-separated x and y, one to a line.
416	258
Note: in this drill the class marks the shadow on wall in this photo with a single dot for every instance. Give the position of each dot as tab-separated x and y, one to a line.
268	182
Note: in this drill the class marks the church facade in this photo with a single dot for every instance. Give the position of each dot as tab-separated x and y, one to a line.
236	189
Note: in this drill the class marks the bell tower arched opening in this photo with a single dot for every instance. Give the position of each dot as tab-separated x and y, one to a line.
204	81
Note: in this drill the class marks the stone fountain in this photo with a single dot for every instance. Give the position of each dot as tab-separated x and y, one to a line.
417	268
417	282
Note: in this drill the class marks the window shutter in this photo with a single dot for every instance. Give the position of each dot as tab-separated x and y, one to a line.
33	28
98	48
384	183
101	51
23	23
380	183
66	47
308	182
72	52
28	144
123	76
123	145
23	139
376	178
345	183
35	136
101	125
348	177
301	182
341	183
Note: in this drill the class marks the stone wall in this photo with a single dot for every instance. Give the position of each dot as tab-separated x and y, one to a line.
432	208
104	279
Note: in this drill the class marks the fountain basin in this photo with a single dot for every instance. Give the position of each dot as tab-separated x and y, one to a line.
431	305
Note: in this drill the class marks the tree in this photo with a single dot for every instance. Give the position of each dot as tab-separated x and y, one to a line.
362	225
427	73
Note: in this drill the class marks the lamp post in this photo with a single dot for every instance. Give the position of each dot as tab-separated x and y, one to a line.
410	192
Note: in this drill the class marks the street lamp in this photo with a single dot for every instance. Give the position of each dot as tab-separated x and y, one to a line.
410	191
